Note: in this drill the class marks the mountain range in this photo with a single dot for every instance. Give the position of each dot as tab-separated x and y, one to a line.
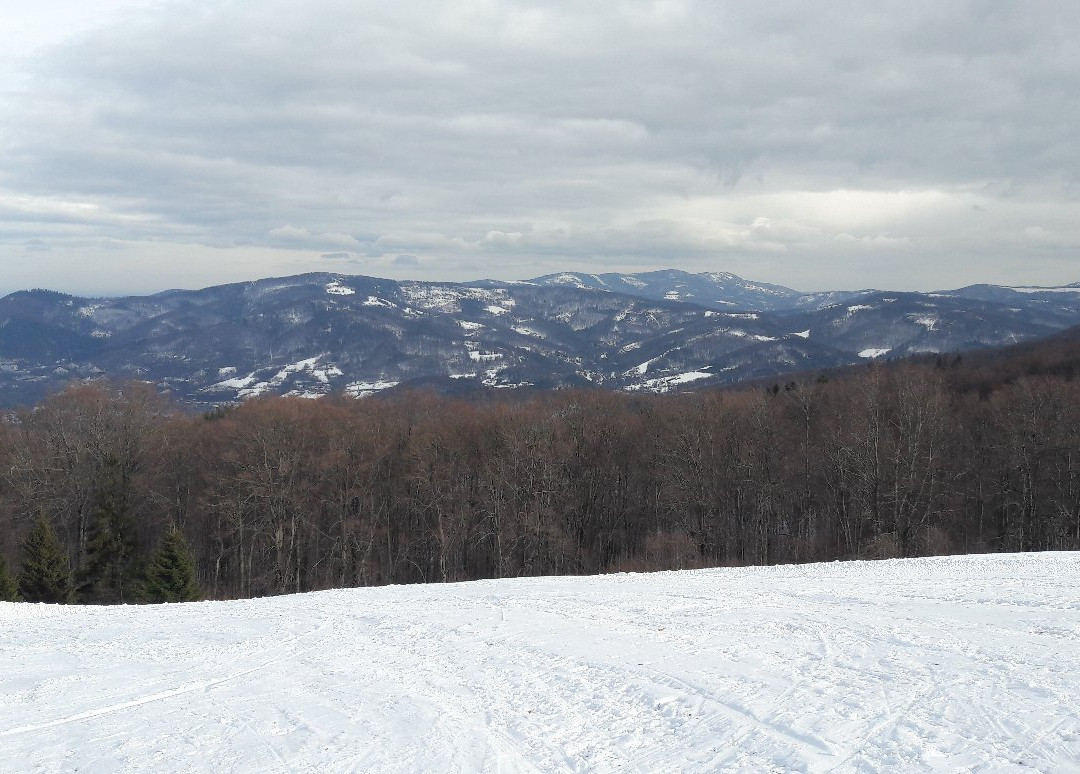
315	334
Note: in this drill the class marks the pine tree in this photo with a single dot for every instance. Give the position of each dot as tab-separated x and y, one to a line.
9	591
170	576
110	549
46	571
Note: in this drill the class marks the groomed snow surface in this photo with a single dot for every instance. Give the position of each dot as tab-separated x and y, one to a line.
947	664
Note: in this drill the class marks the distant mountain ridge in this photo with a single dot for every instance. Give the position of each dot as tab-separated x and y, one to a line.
314	334
716	290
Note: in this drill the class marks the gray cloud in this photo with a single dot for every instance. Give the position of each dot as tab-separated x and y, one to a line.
912	144
406	260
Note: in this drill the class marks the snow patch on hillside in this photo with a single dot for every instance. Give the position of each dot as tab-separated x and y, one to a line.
89	310
326	373
478	356
363	389
253	384
668	383
337	289
376	301
571	280
525	331
235	383
448	299
301	365
737	332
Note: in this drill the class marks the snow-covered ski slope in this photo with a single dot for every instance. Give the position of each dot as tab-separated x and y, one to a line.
950	664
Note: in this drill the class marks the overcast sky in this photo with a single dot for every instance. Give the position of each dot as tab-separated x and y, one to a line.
915	144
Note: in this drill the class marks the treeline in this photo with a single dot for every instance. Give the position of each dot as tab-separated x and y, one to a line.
283	495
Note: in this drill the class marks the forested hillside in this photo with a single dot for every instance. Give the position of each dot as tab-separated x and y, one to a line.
318	334
285	494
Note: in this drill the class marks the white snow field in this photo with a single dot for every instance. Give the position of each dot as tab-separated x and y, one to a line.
946	664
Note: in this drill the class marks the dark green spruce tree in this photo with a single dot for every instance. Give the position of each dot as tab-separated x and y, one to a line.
46	569
9	591
170	576
108	572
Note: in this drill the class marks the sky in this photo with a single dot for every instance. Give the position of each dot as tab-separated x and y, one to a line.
909	145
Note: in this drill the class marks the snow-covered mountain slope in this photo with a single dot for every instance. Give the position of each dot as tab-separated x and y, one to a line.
716	290
315	334
945	664
1005	294
724	291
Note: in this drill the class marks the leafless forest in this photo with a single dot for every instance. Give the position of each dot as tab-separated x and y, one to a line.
282	495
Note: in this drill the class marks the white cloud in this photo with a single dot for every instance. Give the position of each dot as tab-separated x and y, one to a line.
812	145
299	235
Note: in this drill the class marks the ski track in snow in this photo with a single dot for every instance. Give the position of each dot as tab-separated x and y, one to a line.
962	663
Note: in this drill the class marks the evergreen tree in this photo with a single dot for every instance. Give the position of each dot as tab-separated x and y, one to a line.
170	576
46	571
110	549
9	591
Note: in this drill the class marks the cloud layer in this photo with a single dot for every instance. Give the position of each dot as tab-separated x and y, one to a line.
903	144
